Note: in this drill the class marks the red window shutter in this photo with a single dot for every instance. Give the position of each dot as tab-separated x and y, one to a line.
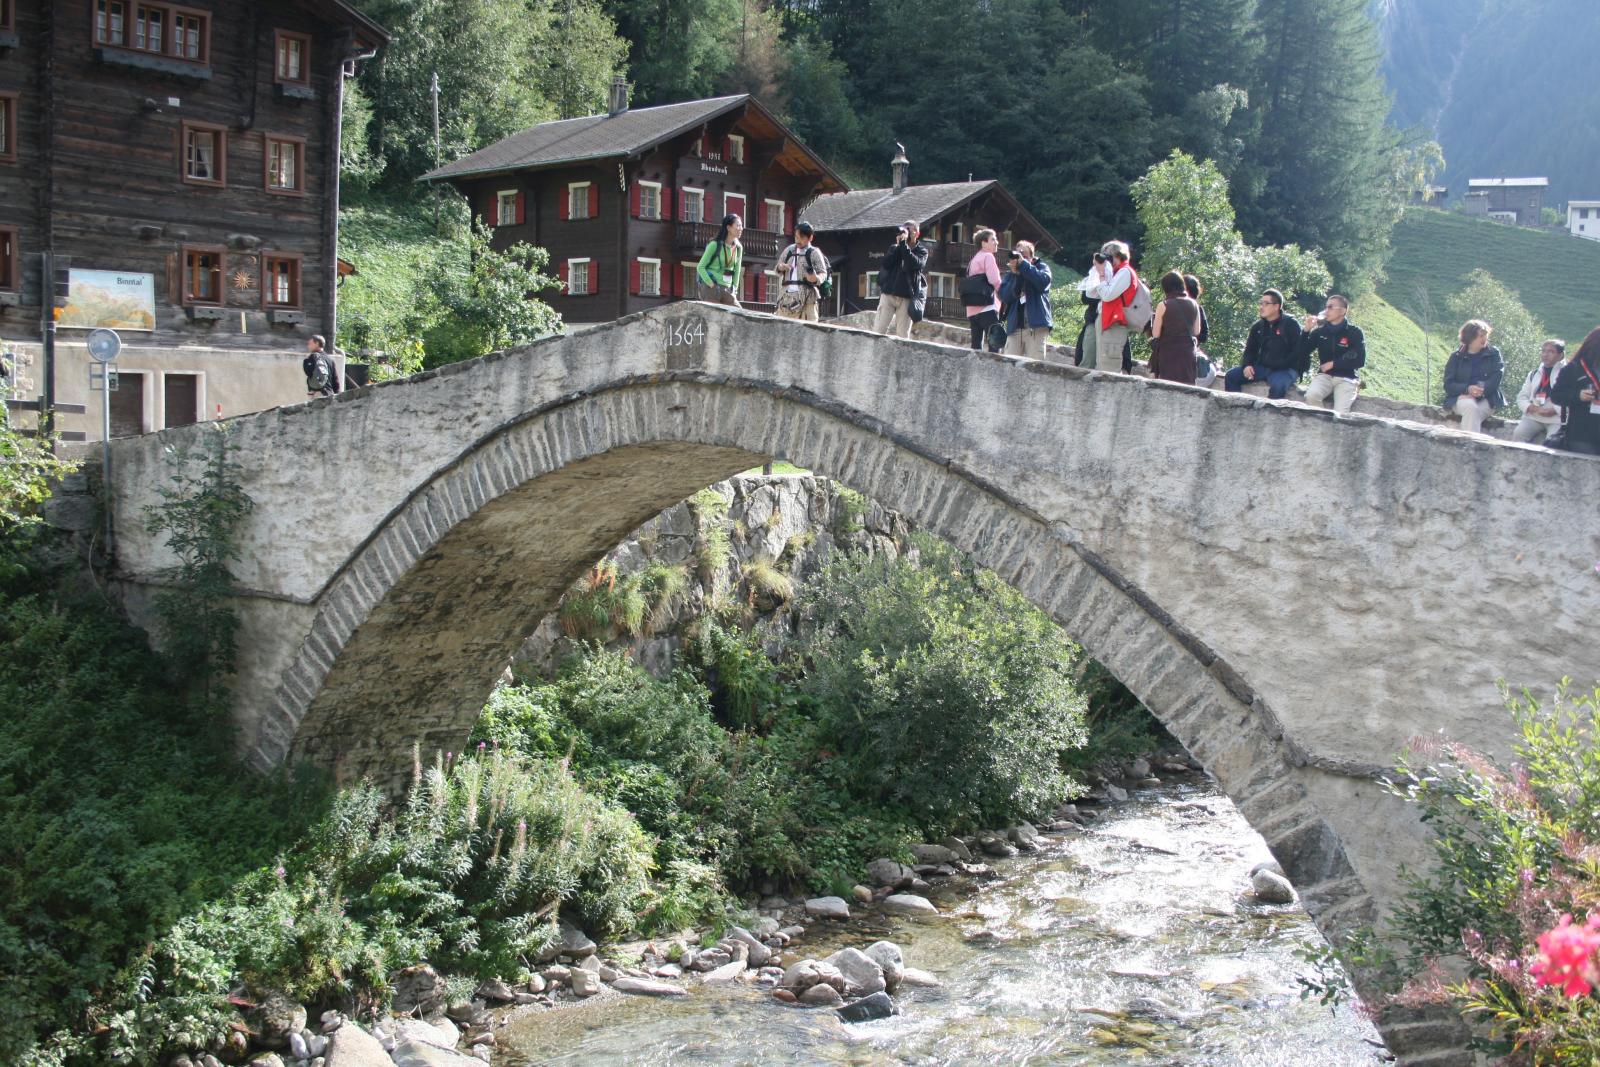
594	201
522	207
633	200
491	205
761	289
727	149
683	206
633	277
561	272
594	276
566	204
666	205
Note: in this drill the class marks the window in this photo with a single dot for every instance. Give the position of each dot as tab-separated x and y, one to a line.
649	200
773	211
202	276
286	164
578	277
280	280
774	286
735	148
943	285
8	15
293	64
159	29
9	258
205	154
1008	240
649	278
580	197
110	22
694	205
871	288
505	207
688	278
8	127
958	232
733	204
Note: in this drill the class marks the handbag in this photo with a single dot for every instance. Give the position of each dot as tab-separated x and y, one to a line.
976	291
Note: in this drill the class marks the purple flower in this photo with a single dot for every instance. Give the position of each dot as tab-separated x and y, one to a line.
279	872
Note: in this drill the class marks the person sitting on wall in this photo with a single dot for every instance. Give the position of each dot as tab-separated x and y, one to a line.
1271	351
1341	350
1472	376
804	269
322	374
1541	417
721	269
1577	390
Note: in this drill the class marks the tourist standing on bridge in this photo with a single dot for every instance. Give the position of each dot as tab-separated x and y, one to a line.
1173	349
1025	294
804	269
1271	351
1111	281
1541	418
322	374
901	281
1578	392
1341	350
721	269
1472	376
983	275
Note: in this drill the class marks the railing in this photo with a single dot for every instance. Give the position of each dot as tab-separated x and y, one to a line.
946	309
694	236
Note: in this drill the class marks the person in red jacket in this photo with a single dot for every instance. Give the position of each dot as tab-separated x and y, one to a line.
1111	282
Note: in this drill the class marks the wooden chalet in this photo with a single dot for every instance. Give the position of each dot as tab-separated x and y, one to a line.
626	201
855	230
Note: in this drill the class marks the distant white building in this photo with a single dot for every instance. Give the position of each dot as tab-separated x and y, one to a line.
1521	196
1583	218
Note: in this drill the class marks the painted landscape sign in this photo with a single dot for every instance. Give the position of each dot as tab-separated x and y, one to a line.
109	298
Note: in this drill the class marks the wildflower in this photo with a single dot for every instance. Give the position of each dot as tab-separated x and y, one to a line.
280	872
1566	956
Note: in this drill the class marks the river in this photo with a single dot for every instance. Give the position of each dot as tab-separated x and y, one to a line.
1028	961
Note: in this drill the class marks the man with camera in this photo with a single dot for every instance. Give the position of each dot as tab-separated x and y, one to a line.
804	269
1341	350
1111	281
1271	351
901	280
1025	297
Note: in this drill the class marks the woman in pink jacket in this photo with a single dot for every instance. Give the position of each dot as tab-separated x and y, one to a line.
982	316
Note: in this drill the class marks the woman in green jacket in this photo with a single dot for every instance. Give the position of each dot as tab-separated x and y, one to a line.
722	264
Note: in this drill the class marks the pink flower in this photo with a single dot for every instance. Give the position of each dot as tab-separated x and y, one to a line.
1566	956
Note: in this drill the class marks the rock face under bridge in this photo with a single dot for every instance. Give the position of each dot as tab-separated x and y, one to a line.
1295	594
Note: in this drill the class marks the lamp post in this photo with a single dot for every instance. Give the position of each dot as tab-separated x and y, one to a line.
104	347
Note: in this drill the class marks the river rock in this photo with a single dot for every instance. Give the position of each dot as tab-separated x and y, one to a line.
495	992
959	848
909	904
1271	888
758	953
412	1053
862	975
297	1047
773	903
570	942
645	987
591	964
1268	865
888	957
417	988
807	973
555	974
534	984
827	908
726	973
464	1011
1139	768
585	983
792	932
933	854
784	996
427	1032
267	1059
994	844
1024	835
668	970
711	959
873	1006
919	979
765	927
351	1046
275	1018
821	995
889	872
861	894
1173	767
181	1060
1115	793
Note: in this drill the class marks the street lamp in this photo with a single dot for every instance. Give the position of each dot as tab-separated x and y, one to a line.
104	347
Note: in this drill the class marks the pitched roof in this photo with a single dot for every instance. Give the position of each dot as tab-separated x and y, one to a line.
368	32
1500	183
884	209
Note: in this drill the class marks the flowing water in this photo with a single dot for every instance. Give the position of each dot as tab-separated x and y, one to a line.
1030	965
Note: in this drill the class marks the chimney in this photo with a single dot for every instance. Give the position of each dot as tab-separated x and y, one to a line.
617	98
902	168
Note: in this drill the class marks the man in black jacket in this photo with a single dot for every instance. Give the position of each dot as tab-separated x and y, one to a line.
1271	351
1341	350
901	281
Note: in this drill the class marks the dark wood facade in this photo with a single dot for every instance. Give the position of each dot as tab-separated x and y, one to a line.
207	158
640	236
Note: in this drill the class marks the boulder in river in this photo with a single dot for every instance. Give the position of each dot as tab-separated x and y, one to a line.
1139	768
934	854
909	904
726	973
890	873
759	953
1115	793
875	1006
276	1017
887	955
1268	865
351	1046
959	848
647	987
919	979
862	975
807	973
827	908
587	983
495	991
711	959
1271	888
821	995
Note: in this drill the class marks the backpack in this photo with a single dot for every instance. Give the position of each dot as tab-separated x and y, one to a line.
320	376
975	290
825	287
1139	310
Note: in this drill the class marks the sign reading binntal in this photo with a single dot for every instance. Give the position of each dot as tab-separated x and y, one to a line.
110	299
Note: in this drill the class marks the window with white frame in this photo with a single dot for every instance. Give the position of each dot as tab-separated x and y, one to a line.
578	277
774	285
958	232
775	211
735	148
872	285
733	204
942	285
505	207
649	277
694	204
578	201
933	233
649	200
688	278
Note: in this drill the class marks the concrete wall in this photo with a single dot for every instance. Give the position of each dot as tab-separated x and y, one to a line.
1295	594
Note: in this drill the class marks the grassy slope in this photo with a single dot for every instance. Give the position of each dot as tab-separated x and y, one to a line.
1398	366
1556	275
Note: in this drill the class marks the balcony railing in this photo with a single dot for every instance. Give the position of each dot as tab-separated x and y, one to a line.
758	244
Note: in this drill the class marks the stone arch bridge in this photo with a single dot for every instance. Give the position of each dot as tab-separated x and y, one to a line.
1293	593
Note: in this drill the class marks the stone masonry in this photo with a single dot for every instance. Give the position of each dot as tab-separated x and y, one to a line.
1295	594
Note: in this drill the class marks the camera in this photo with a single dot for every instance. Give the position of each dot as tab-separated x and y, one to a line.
1015	254
1101	257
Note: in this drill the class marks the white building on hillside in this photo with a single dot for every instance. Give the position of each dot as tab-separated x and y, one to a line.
1583	218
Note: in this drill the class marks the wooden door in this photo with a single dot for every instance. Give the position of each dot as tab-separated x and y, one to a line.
127	406
180	395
